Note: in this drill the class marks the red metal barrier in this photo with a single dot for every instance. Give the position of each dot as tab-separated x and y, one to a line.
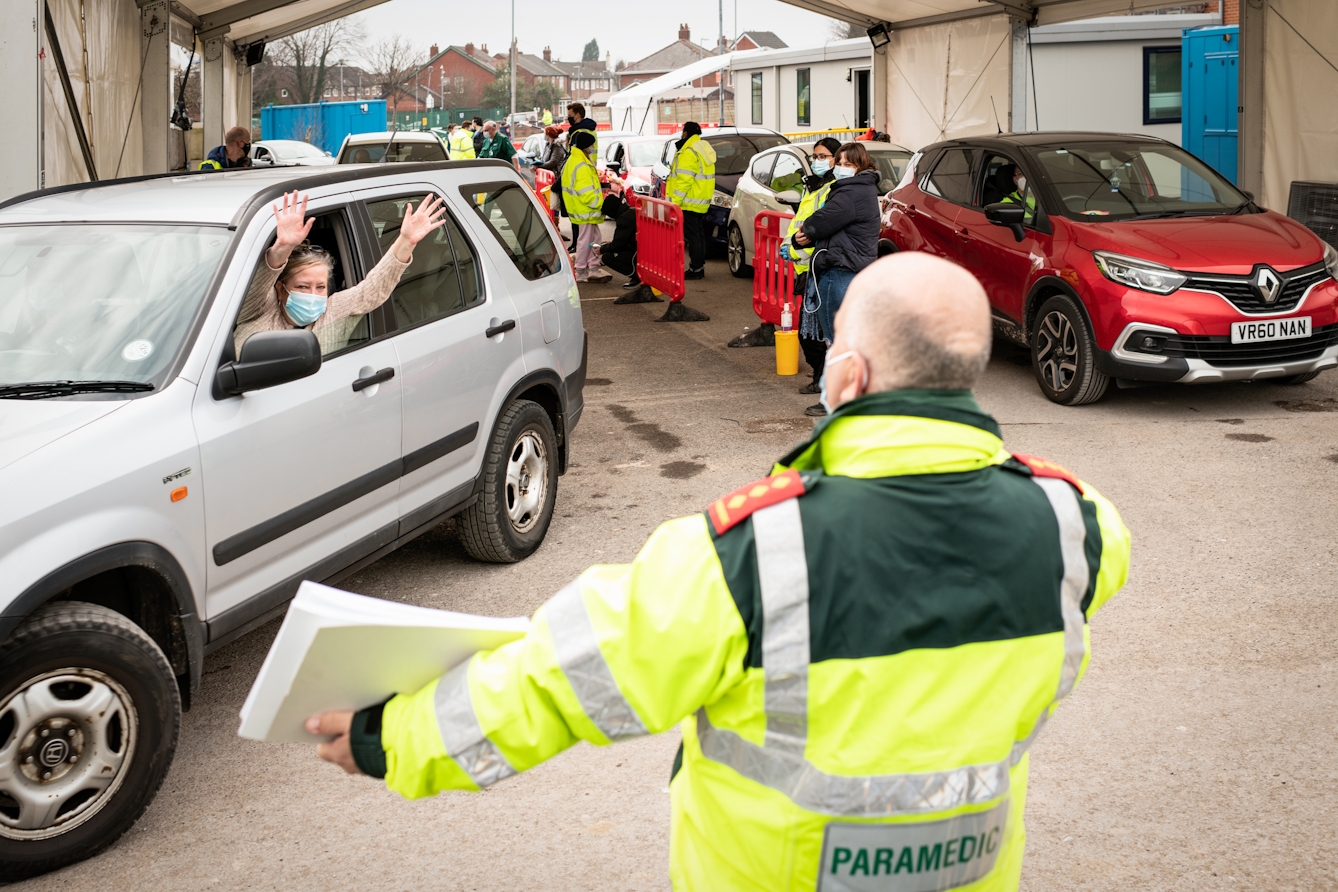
543	187
773	276
659	247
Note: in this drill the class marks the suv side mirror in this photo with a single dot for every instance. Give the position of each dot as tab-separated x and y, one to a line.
1008	214
790	197
616	167
270	358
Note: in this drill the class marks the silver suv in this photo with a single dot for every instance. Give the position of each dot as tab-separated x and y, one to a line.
166	490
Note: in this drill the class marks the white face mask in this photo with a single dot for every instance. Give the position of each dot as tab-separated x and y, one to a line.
1021	184
822	382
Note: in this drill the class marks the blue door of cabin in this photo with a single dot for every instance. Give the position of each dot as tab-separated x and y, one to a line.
1212	88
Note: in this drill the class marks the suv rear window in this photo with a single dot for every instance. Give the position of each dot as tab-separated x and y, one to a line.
951	178
732	154
510	213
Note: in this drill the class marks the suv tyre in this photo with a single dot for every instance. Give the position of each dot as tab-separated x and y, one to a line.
1296	379
512	514
735	253
89	715
1063	354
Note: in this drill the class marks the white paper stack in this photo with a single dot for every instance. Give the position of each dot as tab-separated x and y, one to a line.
337	650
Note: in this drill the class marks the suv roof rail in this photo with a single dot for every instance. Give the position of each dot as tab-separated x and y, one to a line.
338	176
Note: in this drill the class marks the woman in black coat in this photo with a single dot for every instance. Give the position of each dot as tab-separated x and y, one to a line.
845	233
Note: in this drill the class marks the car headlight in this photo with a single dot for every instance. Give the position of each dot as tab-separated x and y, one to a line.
1141	274
1331	260
722	200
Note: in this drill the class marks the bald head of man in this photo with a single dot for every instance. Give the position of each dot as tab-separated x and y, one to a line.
909	321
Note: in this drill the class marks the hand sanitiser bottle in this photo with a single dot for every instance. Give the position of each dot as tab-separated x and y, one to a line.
787	319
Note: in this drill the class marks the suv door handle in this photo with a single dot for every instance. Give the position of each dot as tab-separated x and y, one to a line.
494	330
963	235
377	378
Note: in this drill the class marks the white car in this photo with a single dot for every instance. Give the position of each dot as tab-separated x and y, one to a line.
164	495
397	145
774	181
288	153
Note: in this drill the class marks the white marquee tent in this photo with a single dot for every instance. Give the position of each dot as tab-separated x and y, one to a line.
635	109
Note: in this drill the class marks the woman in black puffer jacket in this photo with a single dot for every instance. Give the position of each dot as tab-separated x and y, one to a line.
844	231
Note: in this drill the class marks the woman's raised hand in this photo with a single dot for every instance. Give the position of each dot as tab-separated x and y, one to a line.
417	224
293	225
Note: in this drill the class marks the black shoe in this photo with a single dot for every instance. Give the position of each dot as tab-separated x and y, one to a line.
815	410
811	387
695	274
633	282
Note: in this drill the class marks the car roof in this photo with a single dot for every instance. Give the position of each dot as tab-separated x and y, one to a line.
358	139
206	198
1044	139
708	132
807	147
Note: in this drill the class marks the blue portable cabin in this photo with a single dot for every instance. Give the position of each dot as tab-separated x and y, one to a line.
323	124
1210	75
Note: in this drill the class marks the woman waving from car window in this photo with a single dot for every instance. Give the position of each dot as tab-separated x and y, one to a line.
291	288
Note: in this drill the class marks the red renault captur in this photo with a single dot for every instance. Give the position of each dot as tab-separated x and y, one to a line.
1122	257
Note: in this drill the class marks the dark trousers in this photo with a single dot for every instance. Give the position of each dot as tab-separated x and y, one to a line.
815	354
694	239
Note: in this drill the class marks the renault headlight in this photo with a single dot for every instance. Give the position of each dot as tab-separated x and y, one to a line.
1141	274
1331	260
722	199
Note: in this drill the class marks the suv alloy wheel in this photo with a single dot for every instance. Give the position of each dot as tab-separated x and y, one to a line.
1063	354
89	715
511	517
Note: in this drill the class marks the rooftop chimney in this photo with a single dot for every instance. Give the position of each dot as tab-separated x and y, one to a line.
548	54
684	33
608	61
432	53
469	49
485	49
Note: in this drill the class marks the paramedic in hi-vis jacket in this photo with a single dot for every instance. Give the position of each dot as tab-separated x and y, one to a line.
860	648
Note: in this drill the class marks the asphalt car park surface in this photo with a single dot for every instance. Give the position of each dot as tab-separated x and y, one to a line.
1198	753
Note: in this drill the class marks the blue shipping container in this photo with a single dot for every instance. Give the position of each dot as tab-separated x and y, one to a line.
1210	75
323	124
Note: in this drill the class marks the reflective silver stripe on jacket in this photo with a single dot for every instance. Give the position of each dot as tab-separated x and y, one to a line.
586	669
780	764
460	732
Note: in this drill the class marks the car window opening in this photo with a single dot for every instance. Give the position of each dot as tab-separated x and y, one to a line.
443	278
511	215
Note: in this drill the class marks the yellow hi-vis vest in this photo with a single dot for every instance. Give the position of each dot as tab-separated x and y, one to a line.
861	649
581	192
691	180
807	205
460	144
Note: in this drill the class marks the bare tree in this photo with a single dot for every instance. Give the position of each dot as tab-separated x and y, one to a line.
845	30
395	62
308	55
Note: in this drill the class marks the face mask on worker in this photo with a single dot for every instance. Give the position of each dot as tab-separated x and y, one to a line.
304	308
822	382
571	119
1021	183
842	172
821	166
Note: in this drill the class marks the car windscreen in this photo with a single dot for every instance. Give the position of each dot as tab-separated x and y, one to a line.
766	141
1113	181
891	167
644	154
294	149
100	302
399	151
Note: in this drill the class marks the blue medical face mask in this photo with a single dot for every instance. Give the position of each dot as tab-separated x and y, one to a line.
842	172
821	166
304	308
822	382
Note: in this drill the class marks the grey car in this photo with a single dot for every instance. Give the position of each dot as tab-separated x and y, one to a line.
166	489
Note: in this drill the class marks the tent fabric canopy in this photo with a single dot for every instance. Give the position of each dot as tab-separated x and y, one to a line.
634	109
907	13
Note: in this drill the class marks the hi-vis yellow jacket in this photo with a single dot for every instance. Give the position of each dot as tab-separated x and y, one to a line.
807	205
691	180
460	144
861	649
582	194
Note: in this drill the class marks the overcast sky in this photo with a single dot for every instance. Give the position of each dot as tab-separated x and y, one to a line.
629	30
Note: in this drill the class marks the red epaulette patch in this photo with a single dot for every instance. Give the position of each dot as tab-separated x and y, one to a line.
734	508
1043	467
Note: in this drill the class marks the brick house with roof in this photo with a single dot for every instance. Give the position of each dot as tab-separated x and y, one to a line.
585	79
454	77
670	58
